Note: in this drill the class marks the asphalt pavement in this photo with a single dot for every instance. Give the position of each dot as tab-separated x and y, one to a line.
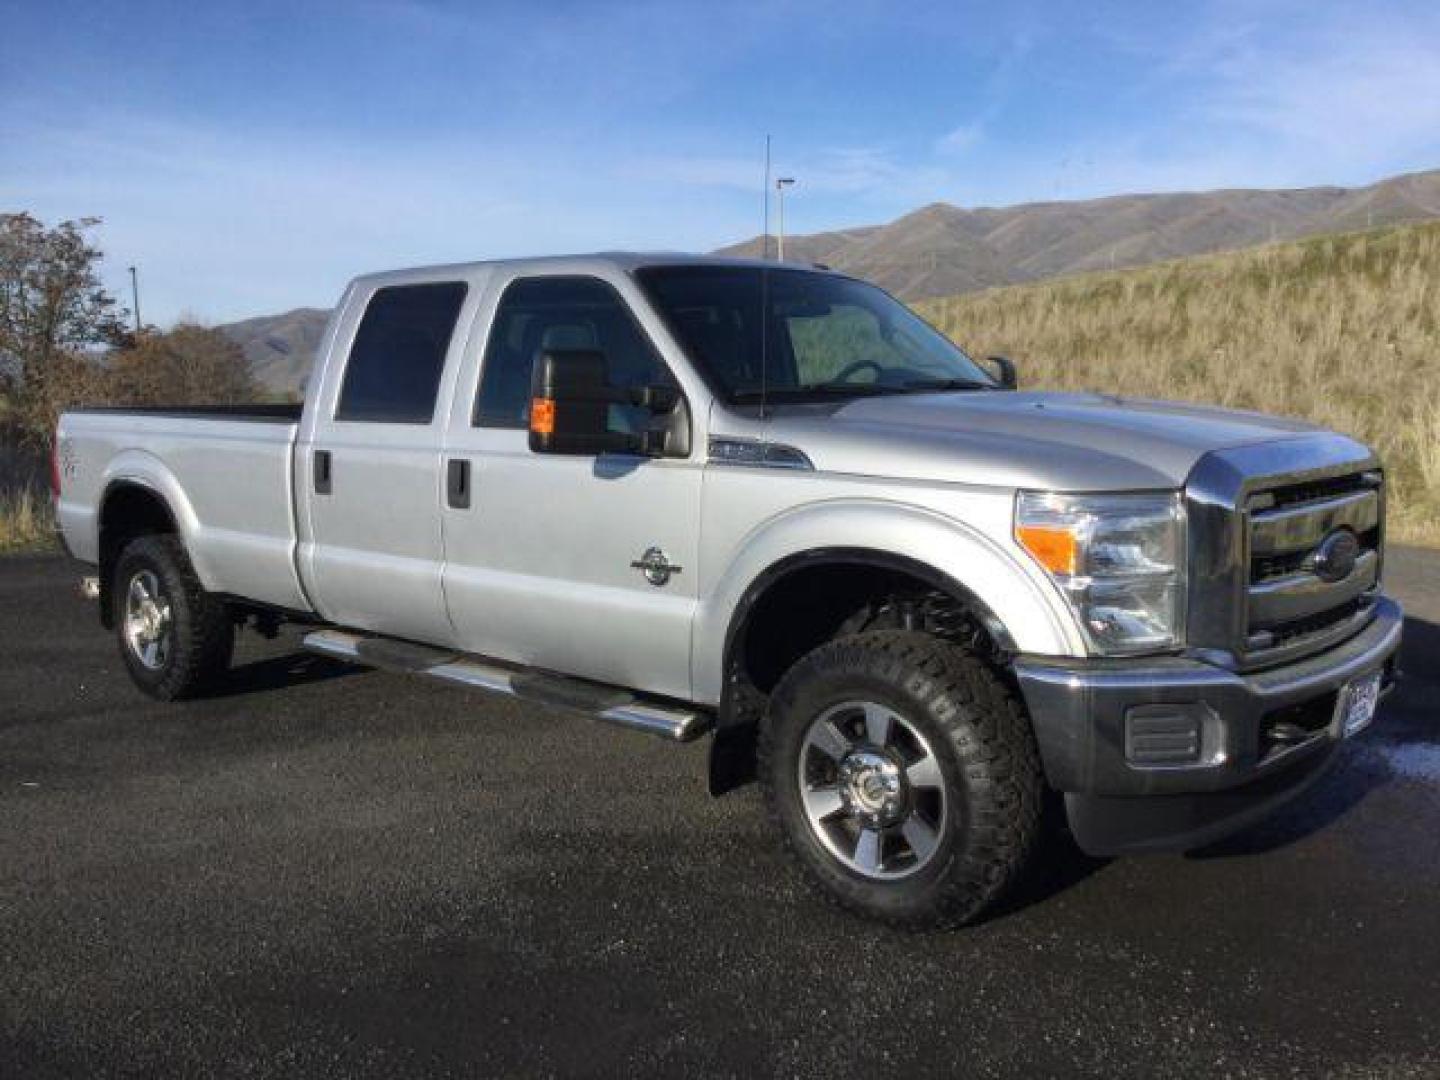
336	872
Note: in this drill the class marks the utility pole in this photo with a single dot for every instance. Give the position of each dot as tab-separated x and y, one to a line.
781	183
135	295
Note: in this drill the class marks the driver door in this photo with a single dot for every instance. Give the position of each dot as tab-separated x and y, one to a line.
552	562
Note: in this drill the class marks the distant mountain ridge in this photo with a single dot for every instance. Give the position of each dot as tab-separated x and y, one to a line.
942	250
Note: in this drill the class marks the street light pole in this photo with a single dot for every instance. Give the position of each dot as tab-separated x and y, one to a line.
135	295
781	183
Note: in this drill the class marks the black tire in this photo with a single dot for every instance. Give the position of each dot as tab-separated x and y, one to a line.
201	633
972	724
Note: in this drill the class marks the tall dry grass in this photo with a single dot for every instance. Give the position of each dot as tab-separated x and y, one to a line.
1341	330
27	522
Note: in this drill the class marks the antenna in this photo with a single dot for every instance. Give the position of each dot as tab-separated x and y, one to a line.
765	291
765	192
764	337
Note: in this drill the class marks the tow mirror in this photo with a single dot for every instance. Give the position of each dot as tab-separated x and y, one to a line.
570	399
1005	372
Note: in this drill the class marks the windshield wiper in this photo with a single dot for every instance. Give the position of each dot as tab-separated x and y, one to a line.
947	384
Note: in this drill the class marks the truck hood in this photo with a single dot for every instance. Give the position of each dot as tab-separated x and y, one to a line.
1059	442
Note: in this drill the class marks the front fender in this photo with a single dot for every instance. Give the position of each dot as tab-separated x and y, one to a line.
1011	590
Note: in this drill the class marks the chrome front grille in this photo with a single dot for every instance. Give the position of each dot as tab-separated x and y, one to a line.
1286	550
1293	594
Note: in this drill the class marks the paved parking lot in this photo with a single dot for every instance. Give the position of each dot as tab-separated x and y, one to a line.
329	871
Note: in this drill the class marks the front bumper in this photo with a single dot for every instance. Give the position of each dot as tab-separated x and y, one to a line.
1258	739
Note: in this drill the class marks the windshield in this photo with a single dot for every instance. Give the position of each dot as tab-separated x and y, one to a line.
825	335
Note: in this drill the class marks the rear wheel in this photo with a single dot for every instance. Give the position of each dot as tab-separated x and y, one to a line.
176	639
904	777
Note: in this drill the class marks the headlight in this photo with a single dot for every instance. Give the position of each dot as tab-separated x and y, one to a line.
1118	559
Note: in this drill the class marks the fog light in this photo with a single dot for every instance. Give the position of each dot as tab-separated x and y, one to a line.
1159	736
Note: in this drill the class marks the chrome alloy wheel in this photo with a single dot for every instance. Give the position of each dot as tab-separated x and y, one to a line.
149	628
872	790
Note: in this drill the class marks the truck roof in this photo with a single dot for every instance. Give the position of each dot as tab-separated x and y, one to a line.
615	260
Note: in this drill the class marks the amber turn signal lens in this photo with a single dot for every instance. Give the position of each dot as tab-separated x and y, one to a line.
1054	548
542	416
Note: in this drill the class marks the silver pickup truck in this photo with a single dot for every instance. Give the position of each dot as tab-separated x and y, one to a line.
691	495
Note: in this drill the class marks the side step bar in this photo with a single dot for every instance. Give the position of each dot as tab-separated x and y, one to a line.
608	703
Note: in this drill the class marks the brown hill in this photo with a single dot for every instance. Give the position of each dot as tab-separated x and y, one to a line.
942	249
281	347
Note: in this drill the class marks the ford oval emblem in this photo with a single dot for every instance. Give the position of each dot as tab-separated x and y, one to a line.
1336	556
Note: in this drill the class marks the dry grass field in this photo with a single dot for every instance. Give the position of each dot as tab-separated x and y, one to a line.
1343	330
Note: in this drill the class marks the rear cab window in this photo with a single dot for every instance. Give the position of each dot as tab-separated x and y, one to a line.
398	356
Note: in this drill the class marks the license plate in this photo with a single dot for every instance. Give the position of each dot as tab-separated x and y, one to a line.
1357	702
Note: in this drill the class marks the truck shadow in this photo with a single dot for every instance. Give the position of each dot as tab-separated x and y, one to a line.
281	672
1410	717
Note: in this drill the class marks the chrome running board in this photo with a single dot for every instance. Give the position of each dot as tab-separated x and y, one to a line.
610	704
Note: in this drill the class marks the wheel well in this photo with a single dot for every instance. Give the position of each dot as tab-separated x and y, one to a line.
128	510
808	605
810	599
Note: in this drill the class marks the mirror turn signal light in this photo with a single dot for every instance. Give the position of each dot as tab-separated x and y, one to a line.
542	416
1054	547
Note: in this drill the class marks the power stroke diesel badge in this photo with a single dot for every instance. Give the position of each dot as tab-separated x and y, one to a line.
656	566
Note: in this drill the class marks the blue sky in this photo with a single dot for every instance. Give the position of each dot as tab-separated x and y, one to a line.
251	157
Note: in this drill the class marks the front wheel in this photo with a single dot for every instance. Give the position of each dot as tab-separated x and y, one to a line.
904	777
175	637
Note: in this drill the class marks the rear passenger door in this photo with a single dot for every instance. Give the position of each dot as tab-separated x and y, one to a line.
369	462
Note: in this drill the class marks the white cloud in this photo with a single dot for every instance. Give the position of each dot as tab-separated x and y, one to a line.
962	138
995	93
1351	89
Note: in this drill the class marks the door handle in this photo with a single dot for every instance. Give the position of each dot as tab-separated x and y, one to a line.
321	467
457	484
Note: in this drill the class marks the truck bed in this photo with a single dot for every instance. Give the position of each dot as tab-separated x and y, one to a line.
224	471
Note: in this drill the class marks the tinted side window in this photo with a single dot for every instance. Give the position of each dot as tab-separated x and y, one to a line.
536	314
398	357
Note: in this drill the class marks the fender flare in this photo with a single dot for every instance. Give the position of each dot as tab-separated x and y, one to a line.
1020	610
140	469
862	556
